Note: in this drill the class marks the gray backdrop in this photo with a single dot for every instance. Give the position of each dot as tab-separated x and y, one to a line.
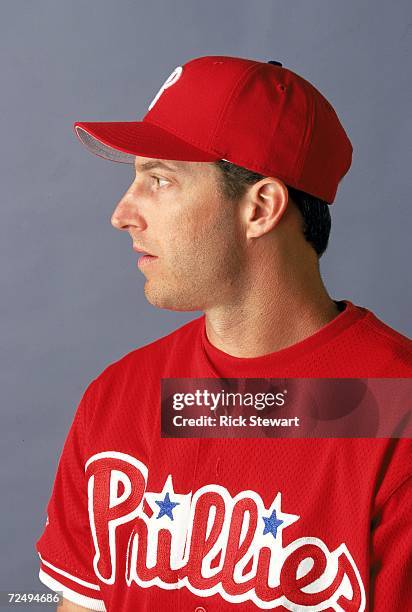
72	298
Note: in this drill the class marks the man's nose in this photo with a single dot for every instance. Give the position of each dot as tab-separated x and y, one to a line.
125	215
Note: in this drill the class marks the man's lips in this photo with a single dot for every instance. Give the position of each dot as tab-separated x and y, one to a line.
146	258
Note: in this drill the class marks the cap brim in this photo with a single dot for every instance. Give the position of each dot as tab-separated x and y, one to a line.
121	141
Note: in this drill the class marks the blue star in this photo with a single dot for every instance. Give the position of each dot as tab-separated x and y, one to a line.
271	524
166	507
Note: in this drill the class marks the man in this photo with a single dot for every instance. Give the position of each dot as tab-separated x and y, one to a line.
236	164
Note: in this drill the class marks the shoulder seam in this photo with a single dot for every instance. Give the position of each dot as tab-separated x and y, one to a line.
385	334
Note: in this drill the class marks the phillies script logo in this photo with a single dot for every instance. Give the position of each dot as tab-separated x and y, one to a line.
211	542
171	80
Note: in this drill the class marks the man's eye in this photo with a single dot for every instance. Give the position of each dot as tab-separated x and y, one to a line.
158	179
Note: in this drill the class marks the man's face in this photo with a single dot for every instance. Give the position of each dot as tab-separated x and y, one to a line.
174	210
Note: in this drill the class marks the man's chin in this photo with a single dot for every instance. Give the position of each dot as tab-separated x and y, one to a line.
167	301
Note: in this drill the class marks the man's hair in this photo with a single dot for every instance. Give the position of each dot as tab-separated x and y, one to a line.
315	212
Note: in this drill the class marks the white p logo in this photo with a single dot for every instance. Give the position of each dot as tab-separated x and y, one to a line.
171	80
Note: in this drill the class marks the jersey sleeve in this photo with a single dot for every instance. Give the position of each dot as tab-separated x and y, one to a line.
391	567
65	547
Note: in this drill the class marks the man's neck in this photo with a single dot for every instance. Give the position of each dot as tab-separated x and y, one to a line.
259	327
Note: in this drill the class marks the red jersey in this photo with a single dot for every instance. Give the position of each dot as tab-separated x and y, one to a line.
136	522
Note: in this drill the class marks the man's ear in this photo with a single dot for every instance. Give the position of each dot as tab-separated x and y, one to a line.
265	203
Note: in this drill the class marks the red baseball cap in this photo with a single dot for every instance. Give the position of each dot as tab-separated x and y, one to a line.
258	115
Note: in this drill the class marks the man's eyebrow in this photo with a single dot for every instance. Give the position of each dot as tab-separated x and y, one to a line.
156	163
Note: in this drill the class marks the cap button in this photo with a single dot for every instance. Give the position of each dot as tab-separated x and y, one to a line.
274	63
